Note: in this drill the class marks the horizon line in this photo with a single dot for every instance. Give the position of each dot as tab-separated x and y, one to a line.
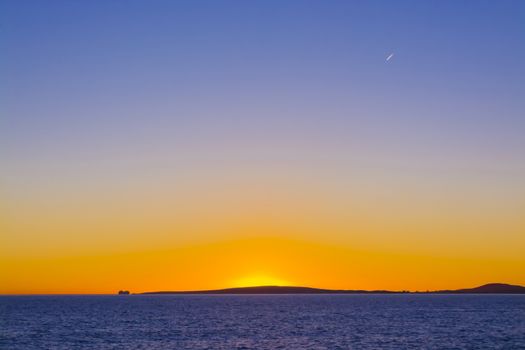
312	290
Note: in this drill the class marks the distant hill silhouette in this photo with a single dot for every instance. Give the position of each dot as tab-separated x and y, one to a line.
492	288
270	290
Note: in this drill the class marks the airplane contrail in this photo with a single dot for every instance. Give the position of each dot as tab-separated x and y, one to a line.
389	57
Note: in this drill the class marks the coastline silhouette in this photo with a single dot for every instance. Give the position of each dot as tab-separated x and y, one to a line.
490	288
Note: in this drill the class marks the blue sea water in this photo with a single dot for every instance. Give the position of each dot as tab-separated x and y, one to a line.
263	322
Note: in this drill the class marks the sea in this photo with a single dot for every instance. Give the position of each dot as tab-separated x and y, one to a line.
372	321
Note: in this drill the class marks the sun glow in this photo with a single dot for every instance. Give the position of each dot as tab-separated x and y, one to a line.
260	280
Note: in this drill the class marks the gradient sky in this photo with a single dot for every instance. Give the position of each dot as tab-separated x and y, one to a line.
204	144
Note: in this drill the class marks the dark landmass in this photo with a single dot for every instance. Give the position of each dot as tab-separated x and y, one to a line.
272	290
492	288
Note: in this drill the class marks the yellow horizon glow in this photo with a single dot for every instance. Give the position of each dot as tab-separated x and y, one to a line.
220	232
248	262
260	280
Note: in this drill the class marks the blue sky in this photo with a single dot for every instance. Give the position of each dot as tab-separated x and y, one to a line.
457	65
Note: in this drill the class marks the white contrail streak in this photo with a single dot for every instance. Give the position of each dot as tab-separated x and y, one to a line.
389	57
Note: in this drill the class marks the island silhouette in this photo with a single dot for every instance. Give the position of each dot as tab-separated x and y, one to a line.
490	288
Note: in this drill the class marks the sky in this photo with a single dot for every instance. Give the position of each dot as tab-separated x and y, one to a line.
180	145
